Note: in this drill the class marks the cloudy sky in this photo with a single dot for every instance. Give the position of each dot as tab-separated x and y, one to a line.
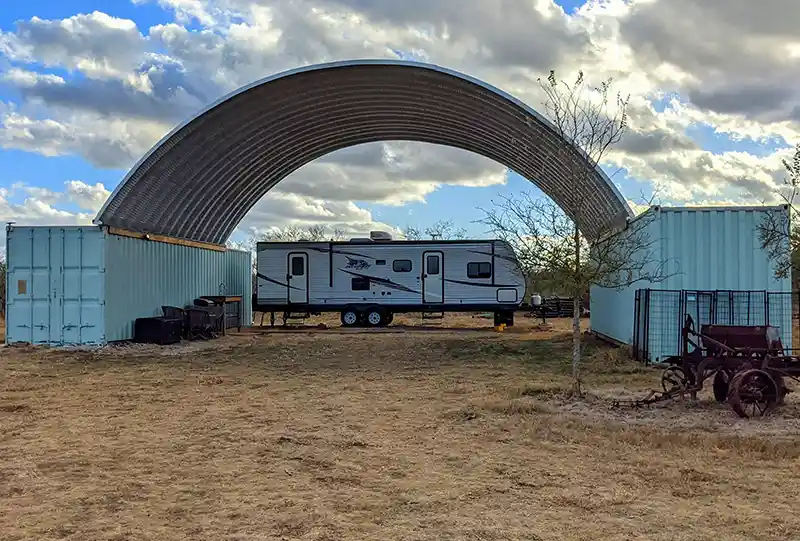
88	86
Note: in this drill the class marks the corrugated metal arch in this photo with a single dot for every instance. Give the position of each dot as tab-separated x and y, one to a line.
201	179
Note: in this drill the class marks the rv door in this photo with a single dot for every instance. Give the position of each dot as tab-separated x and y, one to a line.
432	277
297	278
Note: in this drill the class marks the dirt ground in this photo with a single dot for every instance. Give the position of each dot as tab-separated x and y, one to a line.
453	432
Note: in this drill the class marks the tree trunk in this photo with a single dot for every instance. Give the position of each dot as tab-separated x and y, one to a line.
576	346
576	317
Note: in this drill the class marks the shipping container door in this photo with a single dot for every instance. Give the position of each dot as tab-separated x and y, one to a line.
55	286
29	284
81	287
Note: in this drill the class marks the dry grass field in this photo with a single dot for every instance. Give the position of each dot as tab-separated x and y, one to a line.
450	433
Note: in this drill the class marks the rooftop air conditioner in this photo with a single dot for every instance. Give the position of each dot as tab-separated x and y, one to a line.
380	235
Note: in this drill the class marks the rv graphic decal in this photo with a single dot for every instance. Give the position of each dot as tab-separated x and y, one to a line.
359	264
385	282
344	252
506	257
268	279
478	284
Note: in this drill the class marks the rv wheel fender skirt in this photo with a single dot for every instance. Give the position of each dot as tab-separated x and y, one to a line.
375	316
350	317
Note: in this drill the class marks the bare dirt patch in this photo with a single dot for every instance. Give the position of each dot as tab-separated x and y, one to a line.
410	435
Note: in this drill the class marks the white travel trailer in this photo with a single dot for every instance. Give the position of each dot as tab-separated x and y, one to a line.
368	280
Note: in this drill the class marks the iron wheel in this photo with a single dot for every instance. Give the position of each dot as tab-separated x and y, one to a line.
721	386
674	379
753	394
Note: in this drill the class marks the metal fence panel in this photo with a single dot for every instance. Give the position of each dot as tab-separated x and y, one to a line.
659	316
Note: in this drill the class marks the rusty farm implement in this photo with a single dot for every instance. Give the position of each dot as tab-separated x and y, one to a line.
747	365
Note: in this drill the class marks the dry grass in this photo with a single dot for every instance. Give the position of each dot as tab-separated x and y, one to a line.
410	435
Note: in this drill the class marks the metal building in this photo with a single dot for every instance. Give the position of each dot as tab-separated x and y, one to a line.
702	249
87	285
201	179
192	189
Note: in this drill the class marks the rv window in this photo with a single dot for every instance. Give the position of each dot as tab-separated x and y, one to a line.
380	261
298	266
360	284
401	265
479	270
433	264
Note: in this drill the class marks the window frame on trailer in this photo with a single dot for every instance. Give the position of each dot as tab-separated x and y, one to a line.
297	257
396	261
479	275
436	257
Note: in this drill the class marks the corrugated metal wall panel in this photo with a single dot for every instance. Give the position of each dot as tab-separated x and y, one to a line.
145	275
705	249
56	285
716	248
611	310
239	281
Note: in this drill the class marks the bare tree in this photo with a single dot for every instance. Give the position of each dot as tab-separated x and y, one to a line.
440	230
291	233
778	233
547	237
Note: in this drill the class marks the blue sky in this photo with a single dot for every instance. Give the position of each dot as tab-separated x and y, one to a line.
453	202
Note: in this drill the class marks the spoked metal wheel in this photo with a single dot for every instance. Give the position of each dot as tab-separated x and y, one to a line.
674	379
349	318
753	394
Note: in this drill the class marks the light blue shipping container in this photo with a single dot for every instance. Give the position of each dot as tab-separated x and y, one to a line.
84	286
703	248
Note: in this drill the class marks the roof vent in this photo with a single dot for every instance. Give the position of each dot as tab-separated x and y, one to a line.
360	239
380	235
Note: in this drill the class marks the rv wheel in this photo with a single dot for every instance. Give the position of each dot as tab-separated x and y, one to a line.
375	317
388	318
349	318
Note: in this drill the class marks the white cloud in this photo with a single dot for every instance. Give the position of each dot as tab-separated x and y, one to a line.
86	196
95	44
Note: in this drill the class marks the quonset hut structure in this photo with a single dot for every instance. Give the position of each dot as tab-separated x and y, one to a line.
160	238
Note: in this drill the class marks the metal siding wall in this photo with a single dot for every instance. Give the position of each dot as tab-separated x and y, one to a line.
716	249
145	275
611	310
706	249
62	300
239	281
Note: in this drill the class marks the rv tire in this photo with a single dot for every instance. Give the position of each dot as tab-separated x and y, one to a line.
388	317
350	317
375	317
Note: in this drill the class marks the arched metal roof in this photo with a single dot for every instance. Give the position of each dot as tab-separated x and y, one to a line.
200	180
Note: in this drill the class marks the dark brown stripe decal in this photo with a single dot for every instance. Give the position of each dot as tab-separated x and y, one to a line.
344	252
268	279
477	284
506	257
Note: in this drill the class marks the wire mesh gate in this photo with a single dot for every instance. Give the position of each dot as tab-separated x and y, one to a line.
659	316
